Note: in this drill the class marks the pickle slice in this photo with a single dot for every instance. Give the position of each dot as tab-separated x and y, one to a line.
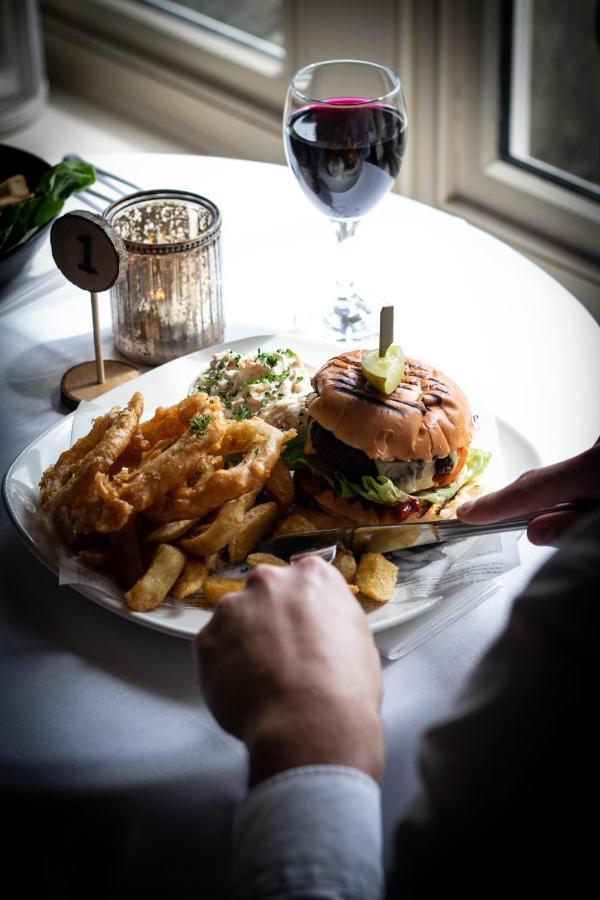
384	372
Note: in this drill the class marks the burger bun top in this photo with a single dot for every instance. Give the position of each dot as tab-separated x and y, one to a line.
427	415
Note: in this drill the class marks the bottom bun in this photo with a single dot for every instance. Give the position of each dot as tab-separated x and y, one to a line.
360	514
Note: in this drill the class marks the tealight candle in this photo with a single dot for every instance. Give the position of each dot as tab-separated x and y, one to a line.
170	301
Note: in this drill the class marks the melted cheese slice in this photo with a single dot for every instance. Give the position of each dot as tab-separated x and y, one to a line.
410	475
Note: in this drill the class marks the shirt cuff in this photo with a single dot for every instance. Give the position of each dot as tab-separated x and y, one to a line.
310	832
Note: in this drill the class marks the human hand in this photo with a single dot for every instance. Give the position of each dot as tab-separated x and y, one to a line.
289	666
577	478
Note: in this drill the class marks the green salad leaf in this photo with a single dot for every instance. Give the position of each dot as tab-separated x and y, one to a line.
19	222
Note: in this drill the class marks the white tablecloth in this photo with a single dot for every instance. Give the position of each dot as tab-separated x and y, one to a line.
108	752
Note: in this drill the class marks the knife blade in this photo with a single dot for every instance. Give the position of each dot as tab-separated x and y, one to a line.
386	538
361	539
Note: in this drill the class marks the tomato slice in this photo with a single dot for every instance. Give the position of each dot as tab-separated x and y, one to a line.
307	485
443	480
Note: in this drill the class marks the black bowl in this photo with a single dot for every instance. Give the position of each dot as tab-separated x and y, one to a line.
18	162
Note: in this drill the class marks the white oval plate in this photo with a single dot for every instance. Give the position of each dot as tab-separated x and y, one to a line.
163	386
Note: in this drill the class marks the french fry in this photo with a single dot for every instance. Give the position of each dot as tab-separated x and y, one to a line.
345	563
215	586
279	486
255	525
294	524
127	560
191	579
154	585
219	532
194	575
376	577
170	531
265	559
97	559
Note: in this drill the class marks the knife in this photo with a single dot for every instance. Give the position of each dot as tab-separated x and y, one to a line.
386	538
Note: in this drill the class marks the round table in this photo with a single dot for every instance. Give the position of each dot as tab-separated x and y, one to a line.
116	777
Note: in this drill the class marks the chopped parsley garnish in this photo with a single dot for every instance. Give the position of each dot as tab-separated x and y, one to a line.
199	424
242	413
287	352
279	378
271	359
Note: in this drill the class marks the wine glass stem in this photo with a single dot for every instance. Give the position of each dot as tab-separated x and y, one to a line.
344	232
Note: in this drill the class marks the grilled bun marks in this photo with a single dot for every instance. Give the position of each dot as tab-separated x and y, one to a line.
427	415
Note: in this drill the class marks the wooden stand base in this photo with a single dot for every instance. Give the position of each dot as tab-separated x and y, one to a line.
81	383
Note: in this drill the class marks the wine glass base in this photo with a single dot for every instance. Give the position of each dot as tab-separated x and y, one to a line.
347	320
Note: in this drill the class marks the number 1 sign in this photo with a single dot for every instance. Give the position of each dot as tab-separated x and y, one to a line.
90	253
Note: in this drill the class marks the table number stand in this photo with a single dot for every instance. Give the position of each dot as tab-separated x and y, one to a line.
90	253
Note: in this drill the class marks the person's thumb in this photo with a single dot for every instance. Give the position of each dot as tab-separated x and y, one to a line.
549	530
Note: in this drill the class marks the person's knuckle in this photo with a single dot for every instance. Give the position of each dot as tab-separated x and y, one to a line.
313	564
262	575
527	479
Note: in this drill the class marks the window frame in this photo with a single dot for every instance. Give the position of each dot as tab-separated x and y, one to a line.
471	170
224	100
515	46
163	39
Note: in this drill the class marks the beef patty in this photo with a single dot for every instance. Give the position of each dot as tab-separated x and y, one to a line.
352	461
338	455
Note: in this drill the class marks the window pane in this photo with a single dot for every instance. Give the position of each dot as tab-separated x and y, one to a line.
261	19
554	94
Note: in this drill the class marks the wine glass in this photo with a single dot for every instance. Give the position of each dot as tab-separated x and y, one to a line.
344	128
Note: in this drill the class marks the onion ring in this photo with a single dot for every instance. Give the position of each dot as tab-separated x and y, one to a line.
76	505
172	421
261	445
159	474
57	475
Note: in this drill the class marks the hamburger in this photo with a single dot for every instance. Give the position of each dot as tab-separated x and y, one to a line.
382	458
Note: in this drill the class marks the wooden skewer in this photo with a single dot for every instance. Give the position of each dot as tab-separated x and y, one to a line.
386	329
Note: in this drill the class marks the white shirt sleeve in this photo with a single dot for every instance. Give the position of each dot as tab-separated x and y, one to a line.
310	833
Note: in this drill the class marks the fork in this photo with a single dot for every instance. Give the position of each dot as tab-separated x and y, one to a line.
108	180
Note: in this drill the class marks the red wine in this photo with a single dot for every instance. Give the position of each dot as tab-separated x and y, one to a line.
346	156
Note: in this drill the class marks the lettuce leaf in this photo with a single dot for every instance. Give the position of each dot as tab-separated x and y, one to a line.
381	489
377	490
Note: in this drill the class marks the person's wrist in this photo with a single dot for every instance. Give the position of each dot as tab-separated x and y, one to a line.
323	731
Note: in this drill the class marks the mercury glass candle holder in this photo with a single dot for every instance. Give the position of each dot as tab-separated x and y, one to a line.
170	301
